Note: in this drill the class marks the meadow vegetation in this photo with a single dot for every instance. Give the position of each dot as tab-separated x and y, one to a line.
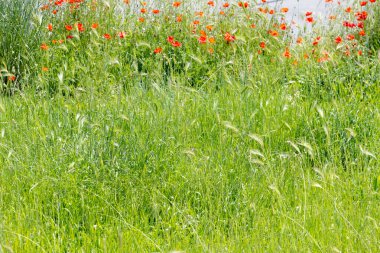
128	126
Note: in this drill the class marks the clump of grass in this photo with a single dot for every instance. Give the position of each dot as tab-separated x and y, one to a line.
374	31
19	34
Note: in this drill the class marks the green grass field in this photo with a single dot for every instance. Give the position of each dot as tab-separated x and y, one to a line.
106	146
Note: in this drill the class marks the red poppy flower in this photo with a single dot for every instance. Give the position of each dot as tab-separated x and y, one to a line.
80	27
158	50
229	38
170	39
176	44
274	33
284	10
310	19
121	35
287	53
202	39
338	40
350	37
44	47
12	78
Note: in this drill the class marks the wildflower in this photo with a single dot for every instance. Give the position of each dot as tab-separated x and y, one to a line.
156	11
121	35
107	36
158	50
143	10
262	45
12	78
94	26
274	33
68	27
228	37
202	39
226	5
176	4
243	5
45	69
361	16
176	44
173	42
310	19
80	27
50	27
284	10
211	3
211	40
316	41
141	19
350	37
44	7
338	40
170	39
44	47
287	53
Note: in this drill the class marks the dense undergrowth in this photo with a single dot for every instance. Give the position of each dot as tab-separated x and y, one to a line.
115	137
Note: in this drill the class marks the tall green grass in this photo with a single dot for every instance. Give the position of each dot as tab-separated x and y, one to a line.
115	149
20	31
374	35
